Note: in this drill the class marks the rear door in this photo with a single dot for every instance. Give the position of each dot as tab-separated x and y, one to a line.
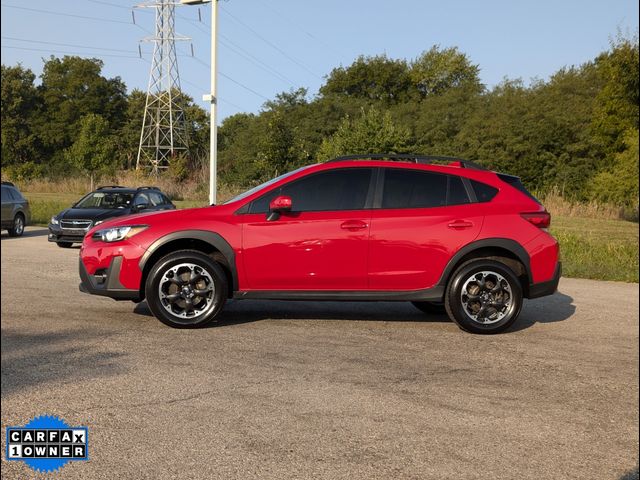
7	206
321	244
421	220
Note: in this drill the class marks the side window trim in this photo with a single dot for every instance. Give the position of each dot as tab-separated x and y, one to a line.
470	191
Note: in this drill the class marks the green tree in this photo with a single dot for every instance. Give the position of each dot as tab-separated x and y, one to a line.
19	108
438	70
93	151
376	78
73	87
372	132
618	184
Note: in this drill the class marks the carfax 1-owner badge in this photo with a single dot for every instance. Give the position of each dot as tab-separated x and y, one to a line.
47	443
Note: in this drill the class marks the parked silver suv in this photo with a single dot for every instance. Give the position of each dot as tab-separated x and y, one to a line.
15	210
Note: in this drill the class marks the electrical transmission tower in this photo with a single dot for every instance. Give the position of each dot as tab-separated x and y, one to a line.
164	131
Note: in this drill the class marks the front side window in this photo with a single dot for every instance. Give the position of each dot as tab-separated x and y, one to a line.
334	190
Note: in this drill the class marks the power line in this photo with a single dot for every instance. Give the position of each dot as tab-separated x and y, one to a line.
86	54
297	25
61	14
66	44
271	44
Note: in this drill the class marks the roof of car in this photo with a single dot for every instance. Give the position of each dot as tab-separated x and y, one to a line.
121	189
412	158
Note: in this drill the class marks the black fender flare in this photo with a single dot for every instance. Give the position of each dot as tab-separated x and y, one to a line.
504	243
214	239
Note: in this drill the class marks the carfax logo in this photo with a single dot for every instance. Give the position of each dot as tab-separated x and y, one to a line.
47	443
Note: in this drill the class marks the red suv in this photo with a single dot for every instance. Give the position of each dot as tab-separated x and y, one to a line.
453	237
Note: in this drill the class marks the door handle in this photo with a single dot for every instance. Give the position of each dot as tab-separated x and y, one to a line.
460	224
353	225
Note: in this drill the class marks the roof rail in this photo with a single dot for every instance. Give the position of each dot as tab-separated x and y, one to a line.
147	188
103	187
8	183
410	157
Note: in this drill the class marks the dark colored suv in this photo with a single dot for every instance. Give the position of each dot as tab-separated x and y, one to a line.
71	225
453	237
15	210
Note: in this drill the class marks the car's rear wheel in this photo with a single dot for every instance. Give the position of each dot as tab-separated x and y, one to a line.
18	226
64	244
484	296
186	289
432	308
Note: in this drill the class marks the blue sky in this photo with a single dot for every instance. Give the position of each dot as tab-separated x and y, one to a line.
271	46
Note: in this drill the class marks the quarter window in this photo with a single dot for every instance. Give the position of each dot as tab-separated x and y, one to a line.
344	189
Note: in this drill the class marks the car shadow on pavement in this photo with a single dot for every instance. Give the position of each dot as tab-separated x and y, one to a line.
555	308
29	232
32	360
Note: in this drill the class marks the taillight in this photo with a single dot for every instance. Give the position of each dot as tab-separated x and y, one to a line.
538	219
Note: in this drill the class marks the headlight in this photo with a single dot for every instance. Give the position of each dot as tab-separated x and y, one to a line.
116	234
54	221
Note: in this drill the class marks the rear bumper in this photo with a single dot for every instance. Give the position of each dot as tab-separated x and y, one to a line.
550	287
106	282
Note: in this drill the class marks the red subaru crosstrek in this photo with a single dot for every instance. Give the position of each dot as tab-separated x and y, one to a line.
455	238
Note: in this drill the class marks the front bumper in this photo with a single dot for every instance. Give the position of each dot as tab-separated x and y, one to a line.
57	234
106	282
550	287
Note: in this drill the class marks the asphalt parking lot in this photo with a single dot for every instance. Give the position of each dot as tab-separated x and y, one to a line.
320	390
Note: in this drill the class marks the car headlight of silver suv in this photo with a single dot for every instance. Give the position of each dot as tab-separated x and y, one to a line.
115	234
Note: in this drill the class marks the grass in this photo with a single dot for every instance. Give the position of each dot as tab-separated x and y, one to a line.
601	248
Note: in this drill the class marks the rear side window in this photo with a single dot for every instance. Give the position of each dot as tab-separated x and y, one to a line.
413	189
517	183
484	192
16	194
334	190
156	199
6	197
416	189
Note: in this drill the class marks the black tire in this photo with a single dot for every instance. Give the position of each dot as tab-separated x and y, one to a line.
495	311
180	297
64	244
18	226
431	308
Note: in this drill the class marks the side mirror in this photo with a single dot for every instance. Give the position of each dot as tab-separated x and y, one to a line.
281	203
141	206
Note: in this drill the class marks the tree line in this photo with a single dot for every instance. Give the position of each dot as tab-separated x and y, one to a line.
576	132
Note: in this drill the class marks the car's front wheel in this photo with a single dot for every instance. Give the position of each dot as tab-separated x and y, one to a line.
484	296
186	289
18	226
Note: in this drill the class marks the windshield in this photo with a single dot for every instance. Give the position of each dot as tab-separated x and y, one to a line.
263	185
105	200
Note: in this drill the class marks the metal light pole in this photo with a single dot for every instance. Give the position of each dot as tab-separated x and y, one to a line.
212	97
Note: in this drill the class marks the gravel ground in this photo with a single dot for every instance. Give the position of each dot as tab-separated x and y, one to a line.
320	390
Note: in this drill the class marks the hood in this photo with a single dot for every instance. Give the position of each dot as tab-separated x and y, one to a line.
95	214
148	217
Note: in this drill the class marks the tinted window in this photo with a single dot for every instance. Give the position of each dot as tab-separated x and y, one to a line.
16	194
413	189
141	199
156	199
344	189
457	192
484	192
105	200
5	194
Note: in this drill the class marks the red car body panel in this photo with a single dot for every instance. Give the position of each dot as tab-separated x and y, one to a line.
373	249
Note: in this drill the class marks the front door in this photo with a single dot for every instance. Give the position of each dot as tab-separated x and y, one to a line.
321	244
